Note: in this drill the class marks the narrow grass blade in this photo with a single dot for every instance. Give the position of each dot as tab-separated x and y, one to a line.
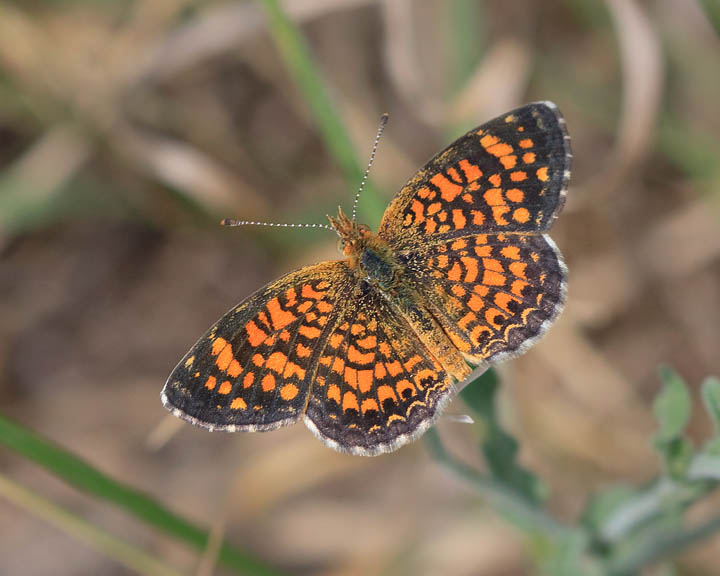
83	476
297	56
129	556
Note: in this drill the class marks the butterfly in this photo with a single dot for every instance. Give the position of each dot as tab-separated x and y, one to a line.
368	349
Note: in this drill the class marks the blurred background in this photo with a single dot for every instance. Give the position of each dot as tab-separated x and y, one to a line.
128	129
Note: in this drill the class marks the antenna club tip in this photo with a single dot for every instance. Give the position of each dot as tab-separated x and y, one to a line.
225	222
384	118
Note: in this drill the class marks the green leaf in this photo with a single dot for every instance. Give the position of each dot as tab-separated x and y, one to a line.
604	504
710	391
499	447
671	407
83	476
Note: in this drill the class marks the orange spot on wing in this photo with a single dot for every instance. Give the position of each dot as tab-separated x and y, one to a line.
434	208
418	209
218	345
248	379
430	226
467	319
493	196
336	339
518	269
471	268
515	195
302	351
309	292
478	217
380	371
210	382
542	174
369	404
255	335
350	402
276	362
499	214
385	392
475	303
351	377
492	278
500	149
495	180
258	360
292	369
280	318
508	161
492	264
528	157
333	393
518	176
384	349
448	190
368	342
225	388
288	392
338	365
238	404
455	273
234	369
310	332
458	219
521	215
268	383
526	143
412	362
394	368
365	380
224	358
471	171
354	355
511	252
488	140
324	306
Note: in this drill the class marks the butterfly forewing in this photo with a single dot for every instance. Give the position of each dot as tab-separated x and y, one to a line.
508	175
253	370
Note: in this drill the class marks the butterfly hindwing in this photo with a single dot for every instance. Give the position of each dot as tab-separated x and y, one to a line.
254	368
493	294
508	175
377	386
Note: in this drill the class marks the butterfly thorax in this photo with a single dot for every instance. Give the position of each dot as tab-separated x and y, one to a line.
368	255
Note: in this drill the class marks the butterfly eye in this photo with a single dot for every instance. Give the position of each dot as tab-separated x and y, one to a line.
341	245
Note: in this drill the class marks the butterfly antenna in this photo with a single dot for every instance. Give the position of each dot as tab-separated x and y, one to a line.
383	122
228	222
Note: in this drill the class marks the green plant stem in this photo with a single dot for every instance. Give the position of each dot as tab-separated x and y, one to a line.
650	503
122	552
297	56
664	546
84	477
514	507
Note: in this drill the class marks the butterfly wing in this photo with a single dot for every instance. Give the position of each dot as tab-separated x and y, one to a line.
469	227
493	294
377	386
254	368
509	175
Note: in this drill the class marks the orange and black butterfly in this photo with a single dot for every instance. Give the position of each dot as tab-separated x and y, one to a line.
367	349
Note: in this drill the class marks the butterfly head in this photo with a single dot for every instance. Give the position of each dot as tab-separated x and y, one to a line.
353	236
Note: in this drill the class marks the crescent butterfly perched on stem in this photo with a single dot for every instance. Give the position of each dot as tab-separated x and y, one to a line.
368	349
